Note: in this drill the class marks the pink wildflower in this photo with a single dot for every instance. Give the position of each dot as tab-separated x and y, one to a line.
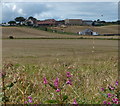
109	95
26	102
102	89
58	90
68	74
29	99
115	100
45	80
105	102
75	102
111	87
108	103
56	82
69	82
116	83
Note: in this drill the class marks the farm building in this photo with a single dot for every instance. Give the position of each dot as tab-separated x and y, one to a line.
5	24
87	22
73	21
60	22
30	22
48	22
88	32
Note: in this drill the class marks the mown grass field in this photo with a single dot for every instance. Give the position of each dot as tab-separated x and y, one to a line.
30	60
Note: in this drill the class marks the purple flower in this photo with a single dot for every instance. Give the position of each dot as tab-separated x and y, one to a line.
30	100
68	74
102	89
69	82
75	102
56	82
29	97
105	102
109	95
26	102
115	100
58	90
116	83
108	103
111	87
45	80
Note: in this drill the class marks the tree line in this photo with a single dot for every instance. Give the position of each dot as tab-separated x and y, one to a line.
20	20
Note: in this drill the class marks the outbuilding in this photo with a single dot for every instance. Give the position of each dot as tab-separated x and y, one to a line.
88	32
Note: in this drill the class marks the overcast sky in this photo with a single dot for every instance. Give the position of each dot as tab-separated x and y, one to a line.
107	11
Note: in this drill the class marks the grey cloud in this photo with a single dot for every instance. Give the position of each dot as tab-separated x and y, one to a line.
85	10
27	9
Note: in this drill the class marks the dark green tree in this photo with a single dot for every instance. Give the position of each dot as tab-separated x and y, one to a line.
98	20
32	18
12	23
20	20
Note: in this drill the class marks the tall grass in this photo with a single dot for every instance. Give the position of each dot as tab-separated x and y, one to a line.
25	84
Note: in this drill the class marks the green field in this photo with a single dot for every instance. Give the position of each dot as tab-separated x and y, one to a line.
30	60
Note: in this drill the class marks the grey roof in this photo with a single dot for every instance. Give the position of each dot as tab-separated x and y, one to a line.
87	30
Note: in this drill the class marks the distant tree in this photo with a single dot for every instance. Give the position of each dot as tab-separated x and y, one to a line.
93	24
118	22
32	18
20	20
12	22
103	21
98	20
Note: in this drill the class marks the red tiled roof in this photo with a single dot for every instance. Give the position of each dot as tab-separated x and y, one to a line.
45	22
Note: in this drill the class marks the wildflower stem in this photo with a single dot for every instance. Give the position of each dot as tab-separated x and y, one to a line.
74	91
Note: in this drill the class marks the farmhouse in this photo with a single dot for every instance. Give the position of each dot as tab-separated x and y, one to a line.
48	22
88	32
73	21
60	22
30	22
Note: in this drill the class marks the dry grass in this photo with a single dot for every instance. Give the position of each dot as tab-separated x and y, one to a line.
49	49
23	32
111	29
33	59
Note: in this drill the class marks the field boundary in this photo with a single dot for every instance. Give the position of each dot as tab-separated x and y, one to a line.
68	38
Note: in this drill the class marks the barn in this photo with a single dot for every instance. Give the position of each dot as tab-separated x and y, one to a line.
88	32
